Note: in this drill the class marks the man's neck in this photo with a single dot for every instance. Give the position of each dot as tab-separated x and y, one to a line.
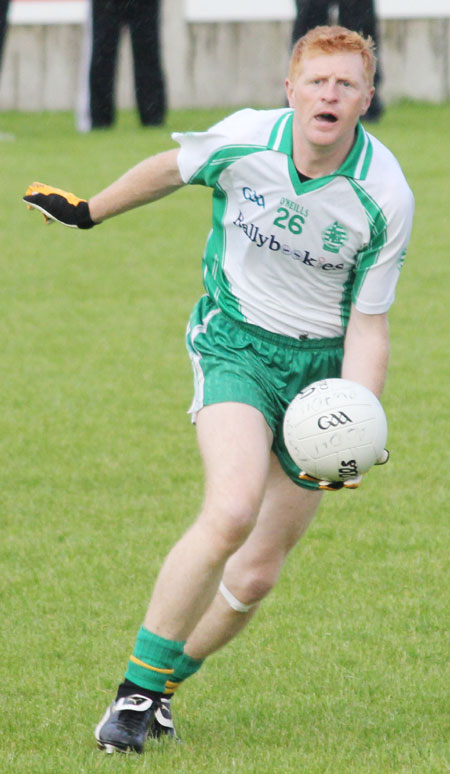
316	160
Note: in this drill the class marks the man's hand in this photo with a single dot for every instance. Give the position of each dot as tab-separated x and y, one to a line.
64	207
349	483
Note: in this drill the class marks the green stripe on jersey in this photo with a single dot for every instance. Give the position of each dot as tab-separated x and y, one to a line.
358	160
281	135
210	171
378	236
214	279
346	299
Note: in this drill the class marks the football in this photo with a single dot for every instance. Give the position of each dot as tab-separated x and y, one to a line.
335	429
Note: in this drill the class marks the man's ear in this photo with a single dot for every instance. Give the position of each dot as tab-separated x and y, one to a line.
368	101
290	92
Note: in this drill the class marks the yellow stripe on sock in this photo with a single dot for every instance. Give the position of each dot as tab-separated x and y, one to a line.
171	687
152	668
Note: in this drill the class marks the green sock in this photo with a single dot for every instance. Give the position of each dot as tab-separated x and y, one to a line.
152	664
184	667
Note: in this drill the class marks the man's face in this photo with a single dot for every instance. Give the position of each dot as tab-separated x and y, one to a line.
329	94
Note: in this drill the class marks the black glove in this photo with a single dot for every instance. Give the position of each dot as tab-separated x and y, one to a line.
349	483
64	207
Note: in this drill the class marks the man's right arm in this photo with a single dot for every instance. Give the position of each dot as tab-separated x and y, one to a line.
150	180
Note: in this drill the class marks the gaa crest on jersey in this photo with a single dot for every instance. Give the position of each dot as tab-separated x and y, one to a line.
334	236
253	196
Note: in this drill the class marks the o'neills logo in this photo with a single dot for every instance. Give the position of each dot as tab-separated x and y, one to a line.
270	241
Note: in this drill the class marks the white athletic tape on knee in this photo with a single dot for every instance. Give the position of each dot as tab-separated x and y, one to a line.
240	607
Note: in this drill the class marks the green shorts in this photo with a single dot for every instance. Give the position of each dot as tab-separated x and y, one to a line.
239	362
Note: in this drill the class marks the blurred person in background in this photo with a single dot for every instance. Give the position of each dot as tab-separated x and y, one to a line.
4	5
106	19
358	15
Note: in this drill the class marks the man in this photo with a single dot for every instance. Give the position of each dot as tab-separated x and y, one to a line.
311	220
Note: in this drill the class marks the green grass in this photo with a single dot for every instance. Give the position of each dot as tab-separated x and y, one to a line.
344	670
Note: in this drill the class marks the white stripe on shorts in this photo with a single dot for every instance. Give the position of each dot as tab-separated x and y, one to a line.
199	379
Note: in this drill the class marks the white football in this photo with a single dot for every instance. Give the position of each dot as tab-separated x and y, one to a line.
335	429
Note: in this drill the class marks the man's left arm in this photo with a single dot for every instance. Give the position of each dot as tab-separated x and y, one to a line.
366	350
366	356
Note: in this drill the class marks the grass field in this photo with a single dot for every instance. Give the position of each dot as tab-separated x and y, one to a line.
345	669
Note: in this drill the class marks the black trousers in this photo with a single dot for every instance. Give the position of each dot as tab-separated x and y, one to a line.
3	14
356	15
143	19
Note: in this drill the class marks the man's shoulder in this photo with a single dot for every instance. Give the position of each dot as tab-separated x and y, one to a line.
384	159
385	173
251	126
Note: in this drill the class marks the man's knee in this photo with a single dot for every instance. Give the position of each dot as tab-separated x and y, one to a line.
252	586
258	583
229	524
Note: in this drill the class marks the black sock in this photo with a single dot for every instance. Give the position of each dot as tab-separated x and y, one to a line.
127	688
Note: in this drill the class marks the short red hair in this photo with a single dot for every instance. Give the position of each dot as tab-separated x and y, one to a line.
333	40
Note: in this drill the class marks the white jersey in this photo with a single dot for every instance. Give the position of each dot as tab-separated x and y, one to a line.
291	256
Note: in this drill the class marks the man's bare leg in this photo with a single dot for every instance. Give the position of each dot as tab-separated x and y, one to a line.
234	441
223	542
